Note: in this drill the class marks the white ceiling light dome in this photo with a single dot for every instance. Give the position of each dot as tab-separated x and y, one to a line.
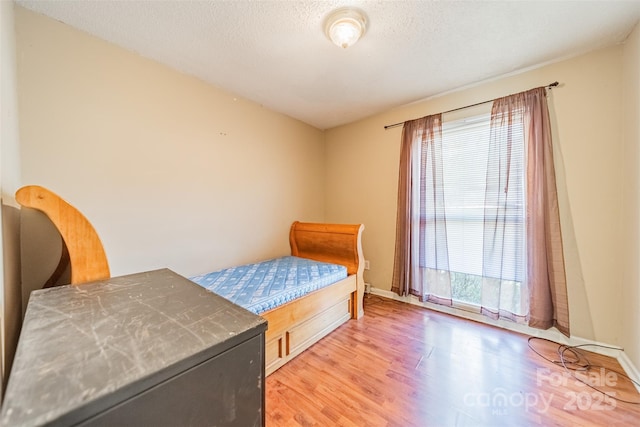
345	26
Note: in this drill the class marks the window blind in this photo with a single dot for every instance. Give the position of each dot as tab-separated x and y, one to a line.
465	153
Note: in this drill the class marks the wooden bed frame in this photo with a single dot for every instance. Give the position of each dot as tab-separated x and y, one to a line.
297	325
292	327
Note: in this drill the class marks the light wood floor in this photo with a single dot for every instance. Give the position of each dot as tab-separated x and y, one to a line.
403	365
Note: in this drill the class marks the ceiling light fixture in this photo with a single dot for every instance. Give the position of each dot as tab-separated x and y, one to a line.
345	26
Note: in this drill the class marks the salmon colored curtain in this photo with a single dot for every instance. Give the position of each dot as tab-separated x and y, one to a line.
421	264
545	302
504	289
548	301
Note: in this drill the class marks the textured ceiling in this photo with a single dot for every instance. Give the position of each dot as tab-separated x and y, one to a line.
275	52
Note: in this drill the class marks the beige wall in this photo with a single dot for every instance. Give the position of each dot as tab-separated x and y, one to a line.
171	171
630	302
362	170
11	314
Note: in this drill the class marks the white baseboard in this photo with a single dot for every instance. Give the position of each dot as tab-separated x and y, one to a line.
629	369
551	334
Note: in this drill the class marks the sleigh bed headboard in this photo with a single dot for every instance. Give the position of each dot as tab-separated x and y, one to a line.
84	248
335	243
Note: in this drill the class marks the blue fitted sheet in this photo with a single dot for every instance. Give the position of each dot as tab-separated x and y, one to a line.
266	285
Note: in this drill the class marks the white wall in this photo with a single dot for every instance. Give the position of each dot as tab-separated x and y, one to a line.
10	314
171	171
586	111
630	250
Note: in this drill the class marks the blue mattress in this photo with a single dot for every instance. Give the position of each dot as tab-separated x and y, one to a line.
266	285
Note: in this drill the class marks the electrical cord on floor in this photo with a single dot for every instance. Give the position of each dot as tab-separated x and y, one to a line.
573	360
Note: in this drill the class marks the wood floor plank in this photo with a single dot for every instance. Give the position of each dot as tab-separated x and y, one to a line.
402	365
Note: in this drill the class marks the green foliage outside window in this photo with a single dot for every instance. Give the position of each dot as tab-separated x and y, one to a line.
467	288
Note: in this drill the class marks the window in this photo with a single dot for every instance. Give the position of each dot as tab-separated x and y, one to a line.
478	221
465	163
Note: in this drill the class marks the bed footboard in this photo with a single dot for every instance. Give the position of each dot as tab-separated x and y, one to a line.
297	325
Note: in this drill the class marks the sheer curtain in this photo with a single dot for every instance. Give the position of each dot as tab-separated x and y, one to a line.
504	291
545	302
548	301
421	264
521	218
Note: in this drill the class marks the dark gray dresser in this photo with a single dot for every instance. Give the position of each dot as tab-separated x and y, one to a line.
147	349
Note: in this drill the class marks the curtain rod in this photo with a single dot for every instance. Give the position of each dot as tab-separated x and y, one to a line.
549	86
